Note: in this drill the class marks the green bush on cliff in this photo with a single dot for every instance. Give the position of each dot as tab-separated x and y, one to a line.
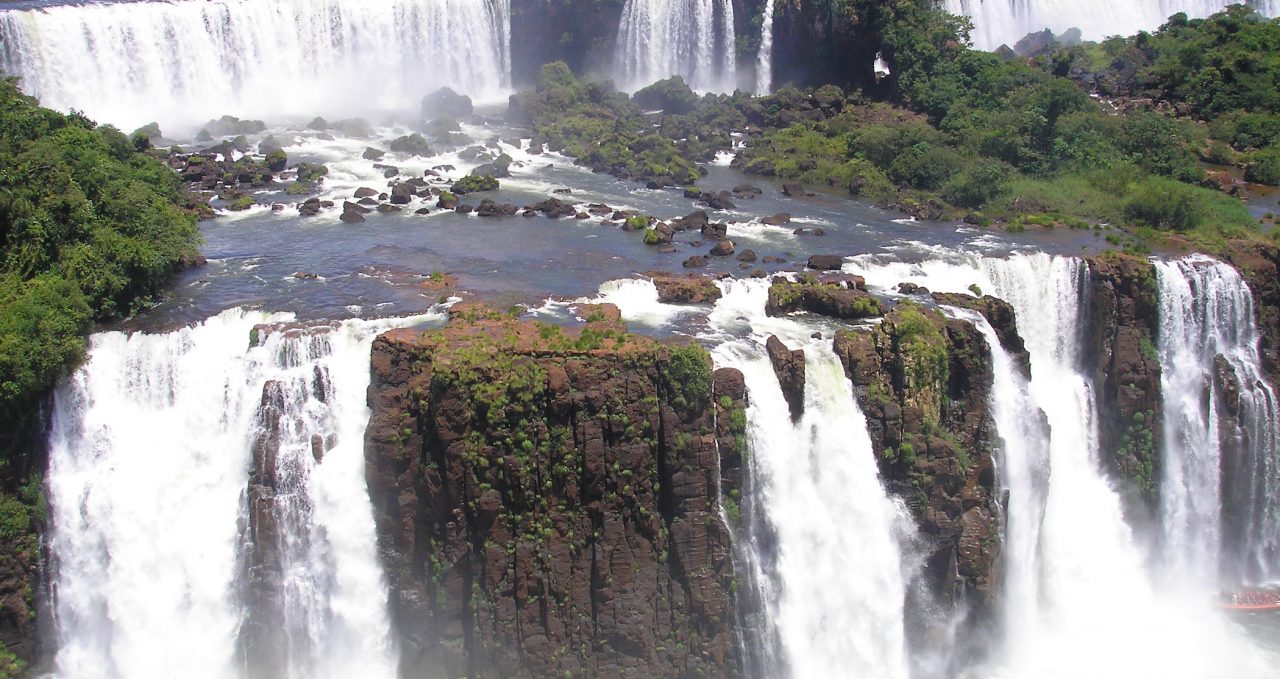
922	347
89	230
689	376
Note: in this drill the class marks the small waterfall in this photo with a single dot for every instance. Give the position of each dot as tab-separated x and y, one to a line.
209	505
187	61
764	65
1004	22
693	39
1025	472
833	583
1220	418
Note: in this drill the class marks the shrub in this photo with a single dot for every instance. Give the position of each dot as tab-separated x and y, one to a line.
977	184
1264	167
924	166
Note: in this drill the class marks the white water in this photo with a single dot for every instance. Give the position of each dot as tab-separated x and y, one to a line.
1004	22
182	63
693	39
1206	310
1091	605
835	592
150	456
764	63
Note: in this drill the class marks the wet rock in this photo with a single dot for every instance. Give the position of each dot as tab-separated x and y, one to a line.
489	208
446	103
718	201
401	194
715	231
826	262
723	248
788	365
371	153
694	262
691	289
746	256
777	220
794	190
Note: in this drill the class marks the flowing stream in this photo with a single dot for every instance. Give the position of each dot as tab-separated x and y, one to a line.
209	504
184	62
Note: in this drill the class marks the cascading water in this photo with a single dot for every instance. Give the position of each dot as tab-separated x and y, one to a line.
1082	599
764	63
693	39
184	62
1004	22
833	582
209	506
1220	415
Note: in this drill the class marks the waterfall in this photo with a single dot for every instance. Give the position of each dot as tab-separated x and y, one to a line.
209	505
764	66
1220	417
187	61
834	584
693	39
1025	471
1004	22
1077	578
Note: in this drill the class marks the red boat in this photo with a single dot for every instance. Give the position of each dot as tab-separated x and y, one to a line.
1251	600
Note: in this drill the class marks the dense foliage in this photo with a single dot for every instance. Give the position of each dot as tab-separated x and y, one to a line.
89	230
1021	140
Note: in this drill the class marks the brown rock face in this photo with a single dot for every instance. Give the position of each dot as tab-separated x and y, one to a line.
1003	320
788	365
547	501
1119	351
924	383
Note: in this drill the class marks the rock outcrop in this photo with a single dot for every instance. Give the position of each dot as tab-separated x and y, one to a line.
788	365
924	383
547	500
841	297
1121	316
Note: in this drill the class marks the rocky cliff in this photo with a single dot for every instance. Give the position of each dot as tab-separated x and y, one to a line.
1119	352
924	383
547	500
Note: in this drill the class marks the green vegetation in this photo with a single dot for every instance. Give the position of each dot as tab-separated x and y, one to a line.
89	230
689	376
922	346
473	183
1019	140
10	664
